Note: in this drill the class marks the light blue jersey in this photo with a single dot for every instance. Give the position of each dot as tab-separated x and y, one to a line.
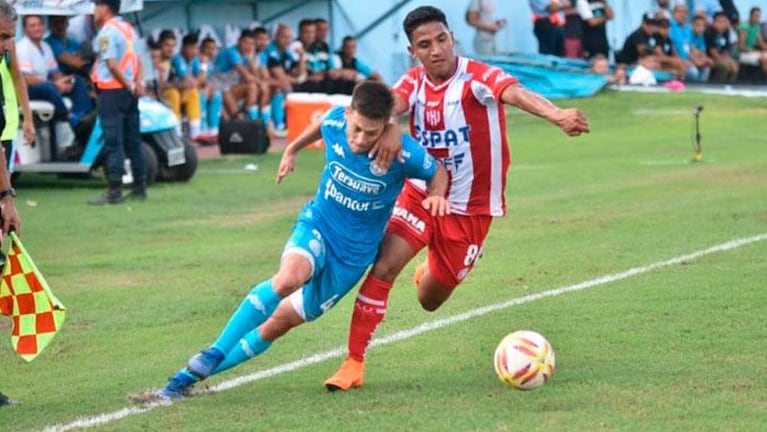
355	198
340	229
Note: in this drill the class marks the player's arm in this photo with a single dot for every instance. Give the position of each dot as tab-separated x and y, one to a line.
570	120
288	162
436	189
389	145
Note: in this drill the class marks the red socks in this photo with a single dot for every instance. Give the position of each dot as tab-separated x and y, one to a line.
369	311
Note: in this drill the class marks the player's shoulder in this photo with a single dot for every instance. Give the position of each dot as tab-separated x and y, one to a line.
334	118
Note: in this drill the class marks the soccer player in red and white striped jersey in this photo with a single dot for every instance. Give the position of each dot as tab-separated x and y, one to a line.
456	108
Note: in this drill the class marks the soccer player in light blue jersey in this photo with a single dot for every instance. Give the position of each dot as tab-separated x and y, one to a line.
335	238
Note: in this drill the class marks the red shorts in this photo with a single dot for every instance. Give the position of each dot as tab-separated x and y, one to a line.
455	241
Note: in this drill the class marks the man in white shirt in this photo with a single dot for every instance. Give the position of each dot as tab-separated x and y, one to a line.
480	16
43	78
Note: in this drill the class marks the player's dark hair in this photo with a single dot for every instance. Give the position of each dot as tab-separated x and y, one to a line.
247	34
720	13
190	39
372	100
645	51
166	35
320	20
305	22
753	10
422	15
260	30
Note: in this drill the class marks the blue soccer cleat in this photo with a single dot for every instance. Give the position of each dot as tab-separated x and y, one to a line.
205	362
178	386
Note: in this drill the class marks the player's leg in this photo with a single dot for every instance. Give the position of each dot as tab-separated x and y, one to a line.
455	247
299	263
251	100
259	340
408	232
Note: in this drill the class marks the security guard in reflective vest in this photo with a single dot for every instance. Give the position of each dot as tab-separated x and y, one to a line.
117	76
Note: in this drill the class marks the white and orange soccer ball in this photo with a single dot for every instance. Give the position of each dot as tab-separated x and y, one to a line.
524	360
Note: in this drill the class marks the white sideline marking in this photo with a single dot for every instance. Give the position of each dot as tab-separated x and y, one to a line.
105	418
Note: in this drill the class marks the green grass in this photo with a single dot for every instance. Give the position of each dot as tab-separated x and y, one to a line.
680	348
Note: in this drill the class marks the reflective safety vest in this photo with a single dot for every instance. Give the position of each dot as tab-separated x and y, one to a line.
129	59
11	103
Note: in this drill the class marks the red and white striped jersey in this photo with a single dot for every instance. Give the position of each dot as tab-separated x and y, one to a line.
462	123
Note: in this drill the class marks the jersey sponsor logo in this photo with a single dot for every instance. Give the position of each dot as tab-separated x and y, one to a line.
442	138
338	149
433	117
411	219
338	124
355	182
333	194
453	164
432	104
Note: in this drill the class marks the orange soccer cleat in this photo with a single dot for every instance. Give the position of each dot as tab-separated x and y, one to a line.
419	272
349	375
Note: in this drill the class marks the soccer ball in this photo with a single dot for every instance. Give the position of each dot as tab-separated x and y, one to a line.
524	360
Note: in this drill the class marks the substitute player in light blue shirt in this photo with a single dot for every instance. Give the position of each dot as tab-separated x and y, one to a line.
334	240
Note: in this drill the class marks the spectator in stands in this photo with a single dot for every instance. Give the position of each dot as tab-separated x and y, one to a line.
167	44
573	33
44	80
548	22
262	42
707	8
66	51
480	15
644	36
153	76
318	61
643	73
665	52
600	65
689	45
82	29
236	76
728	7
286	69
353	70
595	14
753	49
725	68
186	70
663	9
211	100
324	57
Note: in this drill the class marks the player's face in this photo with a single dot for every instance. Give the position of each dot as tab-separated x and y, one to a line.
432	43
362	132
190	51
247	46
262	40
7	35
59	25
168	47
308	34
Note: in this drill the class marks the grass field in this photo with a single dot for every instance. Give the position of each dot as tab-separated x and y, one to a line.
678	348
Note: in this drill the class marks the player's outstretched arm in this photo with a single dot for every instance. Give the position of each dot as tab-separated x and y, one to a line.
436	188
572	121
288	162
389	145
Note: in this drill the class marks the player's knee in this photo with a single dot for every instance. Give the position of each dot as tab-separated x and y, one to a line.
285	283
386	270
429	304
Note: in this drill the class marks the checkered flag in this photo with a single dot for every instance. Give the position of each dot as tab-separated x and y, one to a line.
25	297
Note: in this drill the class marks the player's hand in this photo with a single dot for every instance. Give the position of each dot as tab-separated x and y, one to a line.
387	147
572	122
9	217
437	205
287	165
29	131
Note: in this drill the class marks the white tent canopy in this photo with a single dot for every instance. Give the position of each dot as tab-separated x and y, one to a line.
68	7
